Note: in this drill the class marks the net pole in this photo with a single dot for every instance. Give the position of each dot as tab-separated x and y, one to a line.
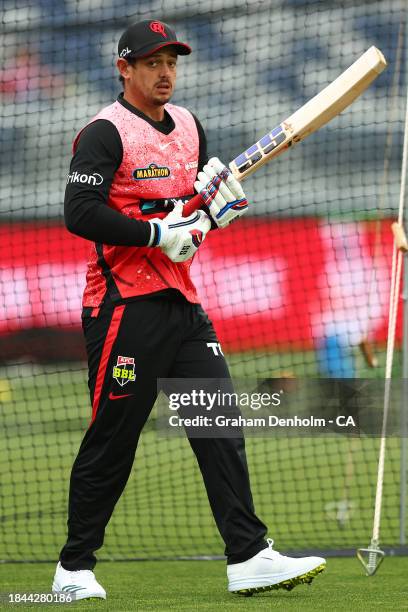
391	119
404	407
395	288
375	554
404	415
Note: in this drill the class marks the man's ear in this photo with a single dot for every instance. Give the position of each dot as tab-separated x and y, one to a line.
123	67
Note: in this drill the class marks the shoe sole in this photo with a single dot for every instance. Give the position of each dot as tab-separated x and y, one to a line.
55	589
288	585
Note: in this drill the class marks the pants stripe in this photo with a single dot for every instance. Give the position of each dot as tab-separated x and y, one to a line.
106	352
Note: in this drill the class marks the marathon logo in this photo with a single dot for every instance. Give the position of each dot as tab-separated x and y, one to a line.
124	370
152	171
94	179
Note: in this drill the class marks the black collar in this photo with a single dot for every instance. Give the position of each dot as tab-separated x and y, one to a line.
165	127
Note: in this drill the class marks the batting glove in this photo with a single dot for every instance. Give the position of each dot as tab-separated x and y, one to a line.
221	193
177	236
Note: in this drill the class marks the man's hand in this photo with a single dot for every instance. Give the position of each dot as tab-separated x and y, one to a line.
221	192
179	237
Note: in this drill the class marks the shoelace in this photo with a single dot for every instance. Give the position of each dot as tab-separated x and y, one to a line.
273	553
89	573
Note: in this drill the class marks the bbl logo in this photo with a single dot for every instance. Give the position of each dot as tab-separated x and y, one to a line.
124	370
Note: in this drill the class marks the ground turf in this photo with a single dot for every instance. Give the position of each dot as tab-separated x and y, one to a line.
201	585
312	492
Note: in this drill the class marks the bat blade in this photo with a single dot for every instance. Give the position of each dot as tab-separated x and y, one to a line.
331	101
318	111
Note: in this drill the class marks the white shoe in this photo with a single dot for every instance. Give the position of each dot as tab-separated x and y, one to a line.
82	584
269	570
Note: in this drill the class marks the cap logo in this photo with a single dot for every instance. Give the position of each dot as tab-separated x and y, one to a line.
158	28
125	52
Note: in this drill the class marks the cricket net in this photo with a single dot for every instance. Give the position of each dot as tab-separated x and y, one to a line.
293	292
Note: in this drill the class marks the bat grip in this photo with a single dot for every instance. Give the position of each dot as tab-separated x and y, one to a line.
192	205
197	201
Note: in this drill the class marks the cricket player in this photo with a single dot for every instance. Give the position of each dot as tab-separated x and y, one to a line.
134	165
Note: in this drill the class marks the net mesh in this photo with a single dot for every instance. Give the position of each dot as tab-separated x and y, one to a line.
292	291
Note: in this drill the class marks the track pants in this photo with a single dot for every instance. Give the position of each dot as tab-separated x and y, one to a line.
155	337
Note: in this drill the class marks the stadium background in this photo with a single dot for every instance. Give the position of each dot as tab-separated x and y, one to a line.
322	211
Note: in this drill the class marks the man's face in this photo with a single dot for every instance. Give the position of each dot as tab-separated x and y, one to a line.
152	79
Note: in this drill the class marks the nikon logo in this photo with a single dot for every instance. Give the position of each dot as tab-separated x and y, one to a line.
91	179
153	171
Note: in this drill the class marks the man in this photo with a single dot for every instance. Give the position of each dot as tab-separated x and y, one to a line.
137	159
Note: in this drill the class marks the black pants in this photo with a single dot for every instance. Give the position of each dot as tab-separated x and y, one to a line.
165	337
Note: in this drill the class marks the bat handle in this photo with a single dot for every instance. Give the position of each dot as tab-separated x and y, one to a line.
192	205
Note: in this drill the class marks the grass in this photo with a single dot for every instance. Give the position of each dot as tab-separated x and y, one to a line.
201	585
298	483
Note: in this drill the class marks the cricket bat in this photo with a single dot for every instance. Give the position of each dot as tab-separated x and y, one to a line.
321	109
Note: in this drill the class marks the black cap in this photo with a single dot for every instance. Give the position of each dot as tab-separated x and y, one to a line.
144	38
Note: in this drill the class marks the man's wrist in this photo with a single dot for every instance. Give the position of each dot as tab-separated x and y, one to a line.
155	234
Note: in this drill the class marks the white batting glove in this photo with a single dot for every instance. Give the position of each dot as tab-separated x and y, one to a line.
177	236
221	192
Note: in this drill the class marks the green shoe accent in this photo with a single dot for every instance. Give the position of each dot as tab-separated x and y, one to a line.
286	584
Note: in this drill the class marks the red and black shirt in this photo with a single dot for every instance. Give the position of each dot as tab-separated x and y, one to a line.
126	169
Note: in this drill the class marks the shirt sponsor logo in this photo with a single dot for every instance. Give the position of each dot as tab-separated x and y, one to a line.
124	370
94	179
152	171
191	165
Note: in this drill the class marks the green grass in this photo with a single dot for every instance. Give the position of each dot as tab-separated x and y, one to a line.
301	364
201	585
297	482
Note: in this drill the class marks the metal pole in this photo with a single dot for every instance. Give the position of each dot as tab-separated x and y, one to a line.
404	402
404	414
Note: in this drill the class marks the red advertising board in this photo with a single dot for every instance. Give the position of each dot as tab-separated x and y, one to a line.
264	283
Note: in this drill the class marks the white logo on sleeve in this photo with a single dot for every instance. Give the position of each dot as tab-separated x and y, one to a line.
94	179
216	348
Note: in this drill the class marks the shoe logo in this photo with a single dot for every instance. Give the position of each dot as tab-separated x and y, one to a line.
72	588
115	397
124	370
